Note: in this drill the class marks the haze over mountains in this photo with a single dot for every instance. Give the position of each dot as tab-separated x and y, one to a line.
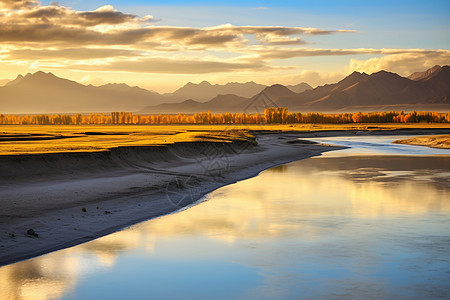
205	91
381	91
46	93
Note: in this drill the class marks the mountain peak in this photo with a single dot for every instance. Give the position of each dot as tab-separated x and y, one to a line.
386	75
115	85
352	79
383	72
41	74
427	74
277	91
40	78
205	91
435	68
276	87
18	79
299	88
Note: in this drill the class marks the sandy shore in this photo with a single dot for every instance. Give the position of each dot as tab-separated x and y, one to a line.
70	198
434	141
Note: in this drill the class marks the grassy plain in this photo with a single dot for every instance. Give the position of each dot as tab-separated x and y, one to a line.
33	139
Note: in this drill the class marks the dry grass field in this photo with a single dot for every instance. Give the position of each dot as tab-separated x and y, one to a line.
33	139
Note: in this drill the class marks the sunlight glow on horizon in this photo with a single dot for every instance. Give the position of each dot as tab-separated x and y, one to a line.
162	46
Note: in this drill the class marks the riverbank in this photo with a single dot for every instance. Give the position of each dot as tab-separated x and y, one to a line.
73	197
70	198
435	141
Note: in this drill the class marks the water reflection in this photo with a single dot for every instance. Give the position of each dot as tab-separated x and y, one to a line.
376	145
327	227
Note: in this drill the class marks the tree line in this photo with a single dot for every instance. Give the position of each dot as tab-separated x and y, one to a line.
278	115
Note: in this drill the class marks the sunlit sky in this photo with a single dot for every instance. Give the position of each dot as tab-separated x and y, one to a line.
161	45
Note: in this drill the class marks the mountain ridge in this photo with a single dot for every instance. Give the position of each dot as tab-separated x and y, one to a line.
204	91
426	74
381	90
378	89
46	93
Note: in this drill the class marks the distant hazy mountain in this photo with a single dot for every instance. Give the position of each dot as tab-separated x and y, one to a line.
219	104
46	93
228	103
378	91
205	91
269	97
4	81
298	88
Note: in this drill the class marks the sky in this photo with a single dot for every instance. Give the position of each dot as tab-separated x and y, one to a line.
162	45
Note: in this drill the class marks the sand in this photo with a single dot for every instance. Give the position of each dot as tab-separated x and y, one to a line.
434	141
71	198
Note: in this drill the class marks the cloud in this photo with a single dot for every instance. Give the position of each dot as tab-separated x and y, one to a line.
106	39
270	39
319	78
275	30
280	35
18	4
71	53
88	79
402	63
287	53
47	25
46	33
169	66
103	15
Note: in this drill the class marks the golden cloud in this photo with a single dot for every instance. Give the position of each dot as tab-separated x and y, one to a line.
171	66
106	39
103	15
18	4
71	53
46	25
402	63
287	53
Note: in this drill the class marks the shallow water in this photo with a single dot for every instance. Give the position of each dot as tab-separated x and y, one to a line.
336	226
377	145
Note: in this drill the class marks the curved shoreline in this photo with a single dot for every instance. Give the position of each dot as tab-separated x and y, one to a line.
135	184
434	141
127	193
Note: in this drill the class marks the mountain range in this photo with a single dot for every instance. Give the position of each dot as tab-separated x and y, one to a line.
380	91
46	93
